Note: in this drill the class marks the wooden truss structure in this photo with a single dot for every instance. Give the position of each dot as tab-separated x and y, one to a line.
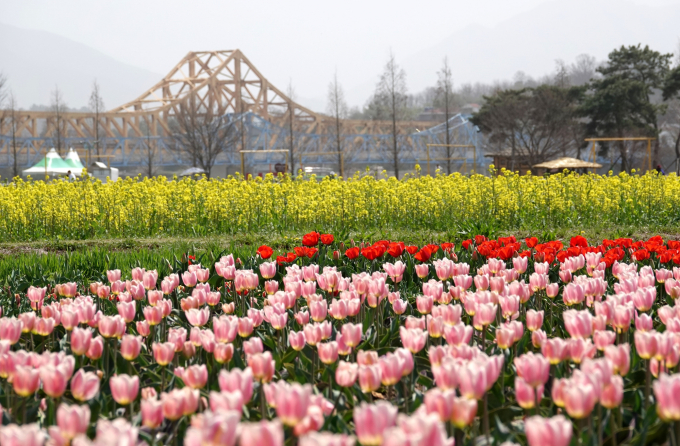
224	82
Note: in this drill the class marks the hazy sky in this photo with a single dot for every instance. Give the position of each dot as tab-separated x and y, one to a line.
300	41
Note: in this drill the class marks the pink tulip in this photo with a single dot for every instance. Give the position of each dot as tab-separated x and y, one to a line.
555	349
603	338
25	380
458	334
124	388
534	369
189	279
152	413
25	435
318	310
296	340
225	328
222	352
80	341
10	329
485	314
154	296
84	385
579	324
27	321
197	318
271	286
463	412
645	344
53	379
643	322
526	395
422	270
371	421
424	304
509	305
264	433
163	353
328	352
621	318
237	380
612	393
195	376
268	270
143	328
440	403
413	339
472	380
292	402
111	326
369	377
126	310
339	309
580	349
391	366
538	338
346	374
253	346
226	401
149	280
262	365
573	294
579	399
552	290
351	334
534	320
555	431
72	420
96	348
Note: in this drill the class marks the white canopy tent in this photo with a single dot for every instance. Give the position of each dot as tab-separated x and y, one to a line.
53	164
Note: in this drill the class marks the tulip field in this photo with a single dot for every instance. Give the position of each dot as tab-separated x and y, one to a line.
158	207
487	341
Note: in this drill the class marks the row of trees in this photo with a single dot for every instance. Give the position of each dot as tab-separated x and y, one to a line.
634	93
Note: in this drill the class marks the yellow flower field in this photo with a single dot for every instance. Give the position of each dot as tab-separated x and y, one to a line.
143	207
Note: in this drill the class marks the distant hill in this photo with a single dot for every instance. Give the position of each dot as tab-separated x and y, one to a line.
35	61
532	41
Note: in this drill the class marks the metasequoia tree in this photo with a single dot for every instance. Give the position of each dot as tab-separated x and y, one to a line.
445	99
391	95
337	108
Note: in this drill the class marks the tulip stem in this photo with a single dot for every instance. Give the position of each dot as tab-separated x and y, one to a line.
484	338
612	421
486	418
648	381
600	425
162	379
263	405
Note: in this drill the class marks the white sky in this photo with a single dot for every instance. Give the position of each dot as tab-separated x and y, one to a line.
298	40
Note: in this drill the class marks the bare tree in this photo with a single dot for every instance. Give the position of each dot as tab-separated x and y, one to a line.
291	117
337	107
10	114
3	89
150	150
392	95
446	98
58	108
203	133
583	69
97	106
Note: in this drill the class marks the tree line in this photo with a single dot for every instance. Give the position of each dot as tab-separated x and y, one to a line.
634	93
